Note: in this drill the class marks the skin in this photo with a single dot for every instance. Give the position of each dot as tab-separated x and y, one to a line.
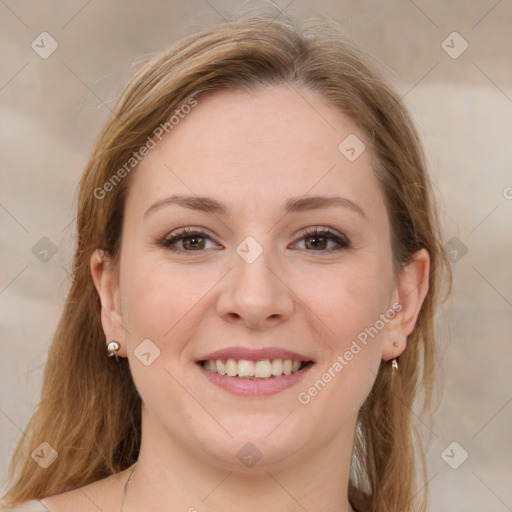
251	151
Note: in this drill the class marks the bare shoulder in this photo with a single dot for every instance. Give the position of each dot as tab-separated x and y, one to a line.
28	506
104	495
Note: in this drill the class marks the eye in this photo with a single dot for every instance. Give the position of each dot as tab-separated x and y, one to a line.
317	240
322	240
191	240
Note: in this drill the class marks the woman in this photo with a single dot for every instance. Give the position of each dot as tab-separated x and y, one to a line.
258	247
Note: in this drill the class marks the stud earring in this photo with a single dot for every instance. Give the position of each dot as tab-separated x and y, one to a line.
394	363
112	349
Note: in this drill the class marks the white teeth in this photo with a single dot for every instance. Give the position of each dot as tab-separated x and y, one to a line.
263	369
245	368
277	367
221	367
252	369
231	368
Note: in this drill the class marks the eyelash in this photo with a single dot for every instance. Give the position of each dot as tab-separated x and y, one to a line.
342	241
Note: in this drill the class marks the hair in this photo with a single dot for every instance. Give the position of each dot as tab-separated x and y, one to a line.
89	409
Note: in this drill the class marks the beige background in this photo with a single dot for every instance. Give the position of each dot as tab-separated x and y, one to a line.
52	109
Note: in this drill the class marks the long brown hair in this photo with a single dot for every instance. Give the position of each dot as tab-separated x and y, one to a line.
90	410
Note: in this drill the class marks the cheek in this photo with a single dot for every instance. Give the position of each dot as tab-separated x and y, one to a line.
347	300
163	305
158	298
350	304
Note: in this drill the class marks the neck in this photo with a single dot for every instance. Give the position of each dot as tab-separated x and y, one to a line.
166	473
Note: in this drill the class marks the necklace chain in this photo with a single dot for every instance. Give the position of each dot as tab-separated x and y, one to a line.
126	485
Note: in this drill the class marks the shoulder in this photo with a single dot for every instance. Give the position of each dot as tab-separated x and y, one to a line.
104	495
28	506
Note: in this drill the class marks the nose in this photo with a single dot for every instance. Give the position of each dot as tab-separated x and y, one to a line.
255	294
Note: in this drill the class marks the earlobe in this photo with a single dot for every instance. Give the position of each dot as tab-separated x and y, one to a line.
411	290
106	284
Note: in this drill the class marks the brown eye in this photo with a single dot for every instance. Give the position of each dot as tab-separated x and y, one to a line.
193	242
190	241
319	240
316	242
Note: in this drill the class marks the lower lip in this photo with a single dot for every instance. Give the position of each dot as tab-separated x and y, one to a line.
255	388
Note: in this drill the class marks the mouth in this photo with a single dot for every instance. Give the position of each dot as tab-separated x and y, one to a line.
246	369
251	373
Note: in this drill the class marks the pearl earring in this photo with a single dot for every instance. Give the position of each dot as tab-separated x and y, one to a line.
112	349
394	363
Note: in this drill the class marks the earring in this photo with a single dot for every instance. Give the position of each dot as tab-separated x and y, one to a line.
394	363
112	349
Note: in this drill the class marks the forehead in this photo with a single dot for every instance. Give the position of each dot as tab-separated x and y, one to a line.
254	148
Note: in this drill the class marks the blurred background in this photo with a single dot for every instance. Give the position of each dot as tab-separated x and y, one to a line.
64	63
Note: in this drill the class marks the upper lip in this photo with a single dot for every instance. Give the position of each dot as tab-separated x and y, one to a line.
252	354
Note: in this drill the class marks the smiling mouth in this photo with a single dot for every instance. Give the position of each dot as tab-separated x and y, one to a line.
254	370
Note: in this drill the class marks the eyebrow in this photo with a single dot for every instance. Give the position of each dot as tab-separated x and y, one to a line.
292	205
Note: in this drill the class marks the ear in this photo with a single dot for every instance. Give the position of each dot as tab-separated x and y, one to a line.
106	282
410	292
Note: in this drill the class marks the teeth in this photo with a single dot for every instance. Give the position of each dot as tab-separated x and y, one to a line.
245	368
221	367
253	369
277	367
231	368
263	369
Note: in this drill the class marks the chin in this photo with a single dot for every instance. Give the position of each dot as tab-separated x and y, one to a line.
259	442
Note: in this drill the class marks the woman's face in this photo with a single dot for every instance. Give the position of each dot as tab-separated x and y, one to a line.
251	176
